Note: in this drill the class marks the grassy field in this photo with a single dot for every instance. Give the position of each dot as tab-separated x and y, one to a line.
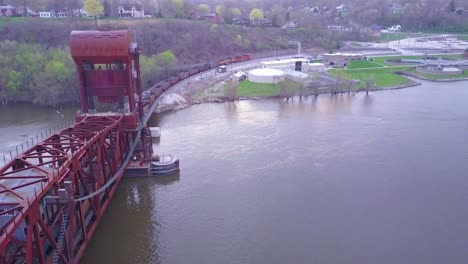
285	88
363	64
249	89
438	77
381	60
6	20
381	77
383	74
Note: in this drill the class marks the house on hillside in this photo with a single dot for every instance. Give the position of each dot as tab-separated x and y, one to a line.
213	18
315	10
240	21
52	14
290	24
265	22
394	28
339	28
8	10
79	12
342	10
46	14
130	11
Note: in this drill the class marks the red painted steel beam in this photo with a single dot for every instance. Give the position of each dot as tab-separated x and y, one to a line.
83	156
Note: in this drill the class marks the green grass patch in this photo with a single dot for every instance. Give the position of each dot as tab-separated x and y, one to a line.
249	89
284	88
6	20
382	77
362	64
381	60
438	77
453	56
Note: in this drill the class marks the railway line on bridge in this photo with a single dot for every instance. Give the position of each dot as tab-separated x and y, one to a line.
54	194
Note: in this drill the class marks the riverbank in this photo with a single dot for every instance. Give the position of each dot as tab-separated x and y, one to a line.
187	102
376	74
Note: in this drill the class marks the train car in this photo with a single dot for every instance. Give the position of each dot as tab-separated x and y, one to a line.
246	57
225	61
236	59
214	64
183	75
158	91
205	67
194	70
165	85
174	79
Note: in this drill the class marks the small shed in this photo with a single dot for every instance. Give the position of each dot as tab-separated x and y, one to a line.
221	69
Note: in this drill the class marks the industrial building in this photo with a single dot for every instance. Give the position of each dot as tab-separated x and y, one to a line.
341	59
266	75
295	64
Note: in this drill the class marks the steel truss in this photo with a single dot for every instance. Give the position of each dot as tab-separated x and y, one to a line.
39	221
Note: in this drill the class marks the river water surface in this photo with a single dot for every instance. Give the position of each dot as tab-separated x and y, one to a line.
378	178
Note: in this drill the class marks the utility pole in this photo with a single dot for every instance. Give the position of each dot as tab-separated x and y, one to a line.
298	43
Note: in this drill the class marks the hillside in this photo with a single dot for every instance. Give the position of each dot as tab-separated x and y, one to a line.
190	41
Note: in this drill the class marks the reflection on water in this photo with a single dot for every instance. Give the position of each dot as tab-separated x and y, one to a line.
348	178
19	123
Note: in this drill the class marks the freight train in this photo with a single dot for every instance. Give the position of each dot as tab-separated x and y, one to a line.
153	92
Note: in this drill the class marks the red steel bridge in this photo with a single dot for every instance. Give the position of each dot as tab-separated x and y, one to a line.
54	194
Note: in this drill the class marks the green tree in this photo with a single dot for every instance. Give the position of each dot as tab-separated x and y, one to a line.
278	15
178	8
93	8
220	10
15	81
235	12
256	13
203	8
56	84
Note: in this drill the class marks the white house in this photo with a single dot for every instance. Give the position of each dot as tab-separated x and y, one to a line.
394	28
131	11
46	14
51	14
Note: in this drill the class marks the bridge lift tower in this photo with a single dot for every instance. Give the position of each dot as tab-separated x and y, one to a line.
54	194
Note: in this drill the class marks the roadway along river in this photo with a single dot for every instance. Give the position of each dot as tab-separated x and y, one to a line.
335	179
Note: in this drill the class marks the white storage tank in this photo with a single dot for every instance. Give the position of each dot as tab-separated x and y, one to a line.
266	75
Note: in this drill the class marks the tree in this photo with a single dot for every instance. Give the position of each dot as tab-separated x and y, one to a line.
278	15
93	8
203	9
235	12
167	60
178	8
231	89
220	10
107	8
256	13
451	7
